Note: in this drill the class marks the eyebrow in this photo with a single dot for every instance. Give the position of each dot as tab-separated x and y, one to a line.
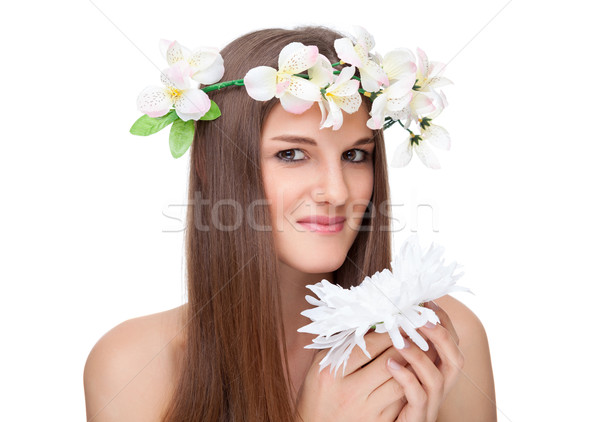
311	141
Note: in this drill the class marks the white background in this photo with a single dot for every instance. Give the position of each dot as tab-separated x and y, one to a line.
90	231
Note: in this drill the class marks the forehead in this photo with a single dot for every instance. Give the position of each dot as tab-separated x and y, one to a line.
280	123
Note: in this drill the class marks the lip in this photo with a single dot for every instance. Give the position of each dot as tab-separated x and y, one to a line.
323	224
322	220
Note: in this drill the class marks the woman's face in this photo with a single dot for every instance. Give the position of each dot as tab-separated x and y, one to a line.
310	172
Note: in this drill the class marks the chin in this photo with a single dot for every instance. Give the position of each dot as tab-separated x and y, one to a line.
316	262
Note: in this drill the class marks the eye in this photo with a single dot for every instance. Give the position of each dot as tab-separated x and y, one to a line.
291	155
356	155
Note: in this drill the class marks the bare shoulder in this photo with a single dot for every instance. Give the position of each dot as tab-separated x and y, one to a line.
468	326
473	397
131	371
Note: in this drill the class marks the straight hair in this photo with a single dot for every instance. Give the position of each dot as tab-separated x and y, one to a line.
234	364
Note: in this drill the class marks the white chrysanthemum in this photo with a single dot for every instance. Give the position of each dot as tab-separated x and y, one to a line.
387	300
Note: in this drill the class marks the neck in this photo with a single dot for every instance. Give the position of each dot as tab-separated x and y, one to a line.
293	290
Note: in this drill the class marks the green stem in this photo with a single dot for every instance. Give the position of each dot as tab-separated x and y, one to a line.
389	122
336	64
237	82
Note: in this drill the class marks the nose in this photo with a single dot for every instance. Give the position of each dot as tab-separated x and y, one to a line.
330	186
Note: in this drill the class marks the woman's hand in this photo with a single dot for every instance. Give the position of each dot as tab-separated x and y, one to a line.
428	383
367	392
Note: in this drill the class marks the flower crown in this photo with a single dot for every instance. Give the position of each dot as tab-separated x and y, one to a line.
401	91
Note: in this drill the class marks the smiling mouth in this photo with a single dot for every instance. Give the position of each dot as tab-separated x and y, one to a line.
322	224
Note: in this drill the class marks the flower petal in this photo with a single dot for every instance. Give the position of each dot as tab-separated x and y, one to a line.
437	68
344	84
397	104
372	76
175	53
154	101
423	64
321	73
323	105
377	112
436	82
439	102
207	65
399	62
350	104
396	337
346	52
422	104
192	104
363	37
437	136
261	83
427	156
177	76
399	94
303	89
293	104
403	154
335	118
297	57
414	335
405	116
203	58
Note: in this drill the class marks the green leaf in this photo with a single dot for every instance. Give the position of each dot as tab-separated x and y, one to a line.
147	125
181	137
212	113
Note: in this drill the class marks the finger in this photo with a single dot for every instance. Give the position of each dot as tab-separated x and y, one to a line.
387	394
450	355
444	319
428	374
416	406
376	373
376	344
391	412
431	352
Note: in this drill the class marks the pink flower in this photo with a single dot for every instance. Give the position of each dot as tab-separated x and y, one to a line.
356	53
179	91
296	94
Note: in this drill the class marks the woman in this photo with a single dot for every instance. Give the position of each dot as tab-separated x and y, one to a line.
258	175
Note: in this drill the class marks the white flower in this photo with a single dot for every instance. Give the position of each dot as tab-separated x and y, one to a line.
321	73
179	91
433	135
391	100
399	62
296	94
429	74
341	95
372	76
206	64
426	101
388	300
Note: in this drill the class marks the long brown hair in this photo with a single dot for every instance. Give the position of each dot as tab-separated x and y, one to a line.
234	361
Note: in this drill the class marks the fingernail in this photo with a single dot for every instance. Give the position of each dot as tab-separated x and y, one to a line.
393	364
429	325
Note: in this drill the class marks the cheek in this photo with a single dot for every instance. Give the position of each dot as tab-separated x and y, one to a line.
361	193
362	186
279	191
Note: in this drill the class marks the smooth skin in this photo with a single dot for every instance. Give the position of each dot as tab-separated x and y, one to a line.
132	369
410	389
